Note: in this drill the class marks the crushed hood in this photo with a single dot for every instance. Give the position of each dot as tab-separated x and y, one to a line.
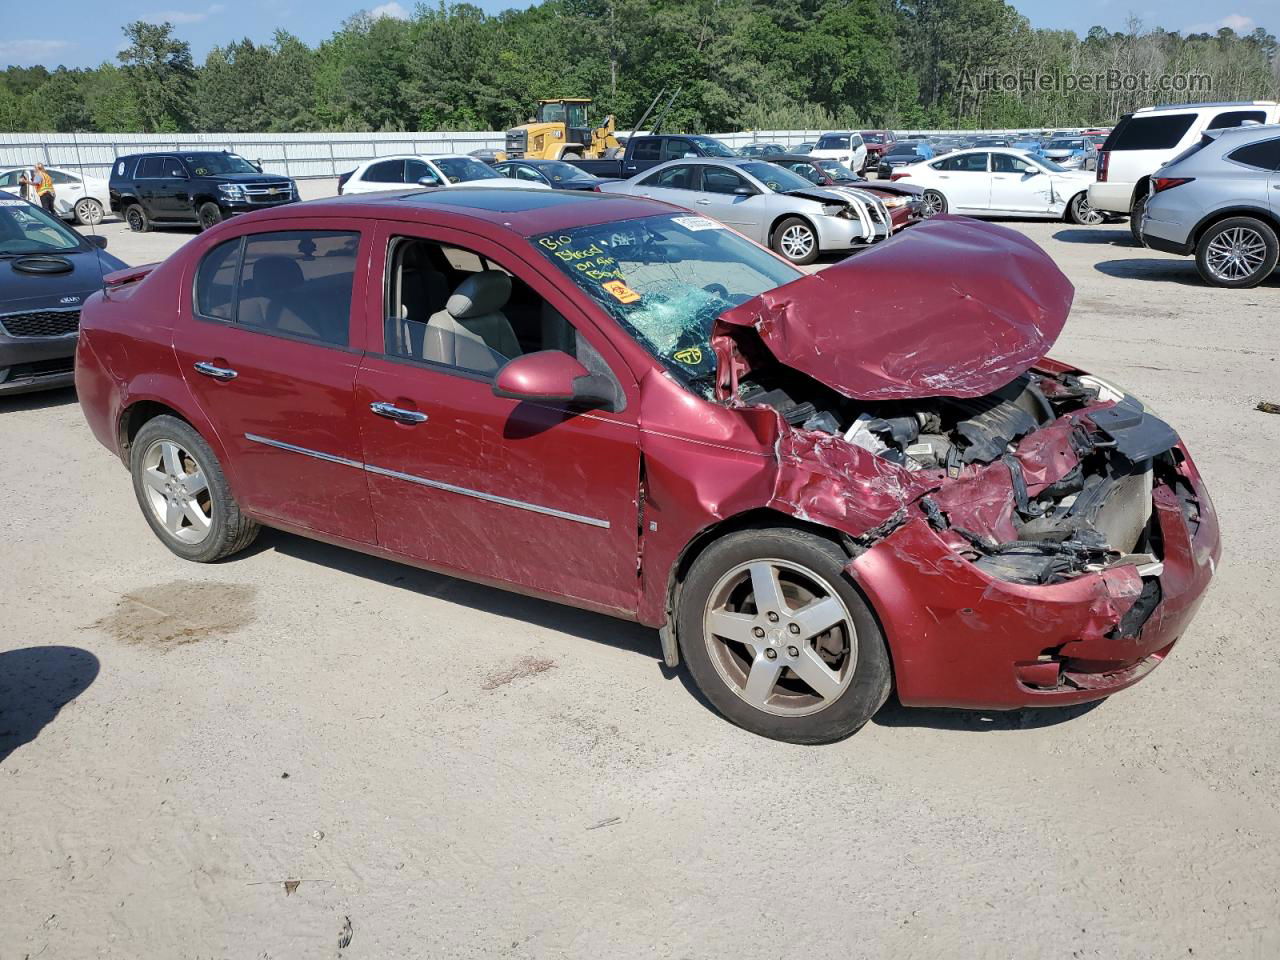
952	307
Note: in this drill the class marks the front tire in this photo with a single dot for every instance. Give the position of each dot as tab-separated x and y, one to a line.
796	240
184	494
932	204
210	215
1238	253
136	217
779	640
88	212
1080	212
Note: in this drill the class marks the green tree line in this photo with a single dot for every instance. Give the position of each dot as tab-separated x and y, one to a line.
736	64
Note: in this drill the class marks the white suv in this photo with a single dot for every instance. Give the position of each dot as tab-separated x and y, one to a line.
845	147
1145	140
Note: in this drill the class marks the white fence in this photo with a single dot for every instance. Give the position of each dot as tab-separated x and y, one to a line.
305	155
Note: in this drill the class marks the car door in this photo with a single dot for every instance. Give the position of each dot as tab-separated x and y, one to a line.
679	183
641	154
173	192
68	191
265	341
383	175
535	496
965	180
1018	186
722	197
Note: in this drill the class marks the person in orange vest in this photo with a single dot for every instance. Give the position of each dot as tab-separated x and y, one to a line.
44	188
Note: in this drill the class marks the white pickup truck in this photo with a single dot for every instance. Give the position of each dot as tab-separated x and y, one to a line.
1145	140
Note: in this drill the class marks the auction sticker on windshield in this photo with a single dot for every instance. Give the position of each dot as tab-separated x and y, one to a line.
697	223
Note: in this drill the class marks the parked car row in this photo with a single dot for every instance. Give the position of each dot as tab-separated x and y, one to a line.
77	197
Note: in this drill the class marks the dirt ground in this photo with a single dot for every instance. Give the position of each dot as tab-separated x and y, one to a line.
304	752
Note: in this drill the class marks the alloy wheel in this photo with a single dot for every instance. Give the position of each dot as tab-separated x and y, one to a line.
797	242
177	491
89	212
1084	213
135	220
1236	254
780	637
932	203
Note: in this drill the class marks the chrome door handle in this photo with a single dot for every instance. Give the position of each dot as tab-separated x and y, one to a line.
399	414
218	373
705	203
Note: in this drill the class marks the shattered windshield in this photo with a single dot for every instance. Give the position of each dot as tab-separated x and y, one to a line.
666	280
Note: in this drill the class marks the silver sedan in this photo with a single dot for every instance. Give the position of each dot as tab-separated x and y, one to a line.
767	203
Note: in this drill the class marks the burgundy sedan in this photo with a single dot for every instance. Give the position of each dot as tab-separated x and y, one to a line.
607	402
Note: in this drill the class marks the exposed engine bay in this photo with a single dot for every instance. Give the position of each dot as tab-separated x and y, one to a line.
1047	478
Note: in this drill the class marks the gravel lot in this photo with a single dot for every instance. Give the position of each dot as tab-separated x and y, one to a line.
453	771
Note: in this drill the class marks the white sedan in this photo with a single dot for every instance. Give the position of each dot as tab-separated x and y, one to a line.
444	170
76	196
1002	182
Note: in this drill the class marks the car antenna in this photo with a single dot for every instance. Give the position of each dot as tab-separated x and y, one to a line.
75	141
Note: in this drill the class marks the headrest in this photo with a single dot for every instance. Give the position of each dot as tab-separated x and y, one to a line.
481	293
276	272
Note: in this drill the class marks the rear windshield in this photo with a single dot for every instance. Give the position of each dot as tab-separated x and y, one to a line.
1157	132
833	142
873	137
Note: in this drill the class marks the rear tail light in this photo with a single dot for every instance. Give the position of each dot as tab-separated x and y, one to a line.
1168	183
596	189
1104	161
899	175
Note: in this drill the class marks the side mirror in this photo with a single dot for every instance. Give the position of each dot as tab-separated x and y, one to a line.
551	376
257	165
743	192
428	181
97	241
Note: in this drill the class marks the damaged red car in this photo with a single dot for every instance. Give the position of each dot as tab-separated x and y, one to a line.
817	488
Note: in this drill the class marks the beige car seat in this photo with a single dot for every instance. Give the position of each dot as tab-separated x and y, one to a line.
472	332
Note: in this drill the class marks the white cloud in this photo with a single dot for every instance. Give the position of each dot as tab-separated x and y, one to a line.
26	52
390	9
184	16
1235	21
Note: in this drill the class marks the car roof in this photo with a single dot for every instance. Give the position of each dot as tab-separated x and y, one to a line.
1191	107
791	158
522	212
1264	131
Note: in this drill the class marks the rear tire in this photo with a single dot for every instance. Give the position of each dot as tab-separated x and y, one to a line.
210	215
935	203
1237	253
796	240
88	212
136	217
1135	219
184	494
790	676
1079	211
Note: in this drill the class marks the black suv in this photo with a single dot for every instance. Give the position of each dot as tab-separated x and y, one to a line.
154	189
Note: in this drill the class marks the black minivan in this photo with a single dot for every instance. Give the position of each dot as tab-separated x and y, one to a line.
202	188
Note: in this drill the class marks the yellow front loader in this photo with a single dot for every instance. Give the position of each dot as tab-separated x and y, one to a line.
560	131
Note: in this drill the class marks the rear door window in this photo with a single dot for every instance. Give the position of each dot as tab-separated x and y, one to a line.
677	148
294	283
1264	155
387	171
1155	132
150	168
647	150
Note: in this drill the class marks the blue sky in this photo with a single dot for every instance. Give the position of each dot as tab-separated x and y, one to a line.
86	32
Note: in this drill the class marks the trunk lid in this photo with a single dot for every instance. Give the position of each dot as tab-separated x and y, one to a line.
951	308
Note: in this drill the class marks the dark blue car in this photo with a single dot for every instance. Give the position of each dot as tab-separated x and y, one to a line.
554	173
47	271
